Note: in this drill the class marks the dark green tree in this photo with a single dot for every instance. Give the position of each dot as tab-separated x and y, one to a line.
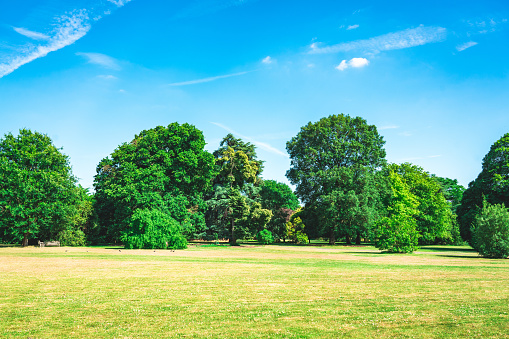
322	154
491	184
281	201
452	191
38	193
165	169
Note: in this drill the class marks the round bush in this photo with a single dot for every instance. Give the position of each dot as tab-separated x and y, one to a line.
491	231
265	237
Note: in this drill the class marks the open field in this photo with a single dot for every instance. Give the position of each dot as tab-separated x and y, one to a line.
252	292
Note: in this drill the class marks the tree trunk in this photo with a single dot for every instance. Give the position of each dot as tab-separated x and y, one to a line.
332	237
233	241
358	239
25	240
348	240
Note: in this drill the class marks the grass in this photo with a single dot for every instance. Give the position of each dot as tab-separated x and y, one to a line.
252	292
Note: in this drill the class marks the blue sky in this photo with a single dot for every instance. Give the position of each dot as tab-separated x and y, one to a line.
432	76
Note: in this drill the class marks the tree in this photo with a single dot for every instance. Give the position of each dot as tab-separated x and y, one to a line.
324	152
491	184
38	194
452	191
281	201
491	231
234	208
397	232
165	169
434	220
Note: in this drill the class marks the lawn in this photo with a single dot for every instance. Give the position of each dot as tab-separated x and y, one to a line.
252	292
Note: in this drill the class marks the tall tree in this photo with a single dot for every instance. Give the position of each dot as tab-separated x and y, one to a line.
165	169
491	184
452	190
38	193
434	220
321	154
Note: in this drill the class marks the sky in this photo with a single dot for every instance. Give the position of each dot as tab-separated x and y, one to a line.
433	76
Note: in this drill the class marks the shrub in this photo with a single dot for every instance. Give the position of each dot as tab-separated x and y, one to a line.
72	238
295	231
265	237
491	231
153	229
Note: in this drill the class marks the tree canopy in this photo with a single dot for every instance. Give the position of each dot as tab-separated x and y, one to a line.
38	193
323	153
164	168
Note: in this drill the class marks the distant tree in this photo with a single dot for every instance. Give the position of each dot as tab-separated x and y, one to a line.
38	193
492	184
295	231
265	237
281	201
397	232
234	208
452	190
165	169
324	152
434	220
491	231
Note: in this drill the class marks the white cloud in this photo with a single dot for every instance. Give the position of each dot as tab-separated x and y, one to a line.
107	77
101	60
31	34
69	28
257	143
466	45
354	62
267	60
199	81
119	3
398	40
352	27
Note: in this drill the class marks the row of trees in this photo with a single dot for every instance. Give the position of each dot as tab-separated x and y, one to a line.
162	189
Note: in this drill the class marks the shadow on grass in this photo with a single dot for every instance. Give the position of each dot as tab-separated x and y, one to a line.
447	249
461	256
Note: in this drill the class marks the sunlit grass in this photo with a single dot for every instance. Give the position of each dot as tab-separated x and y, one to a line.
252	291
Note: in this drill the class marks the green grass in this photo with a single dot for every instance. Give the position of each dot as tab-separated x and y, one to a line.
252	292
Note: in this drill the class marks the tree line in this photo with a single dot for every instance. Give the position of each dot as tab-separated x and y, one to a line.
163	188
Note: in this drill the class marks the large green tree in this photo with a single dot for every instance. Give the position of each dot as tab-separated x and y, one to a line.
492	184
322	155
165	169
38	193
434	220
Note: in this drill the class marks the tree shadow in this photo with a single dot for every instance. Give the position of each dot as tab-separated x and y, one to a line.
447	249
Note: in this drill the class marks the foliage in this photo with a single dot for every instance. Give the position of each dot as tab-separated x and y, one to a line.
281	201
295	231
323	155
153	229
265	237
491	184
38	196
397	232
434	220
453	192
72	237
491	231
164	168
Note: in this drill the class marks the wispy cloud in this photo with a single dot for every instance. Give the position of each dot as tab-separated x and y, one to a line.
466	45
101	60
398	40
199	81
70	27
119	3
257	143
354	62
31	34
67	29
349	28
107	77
267	60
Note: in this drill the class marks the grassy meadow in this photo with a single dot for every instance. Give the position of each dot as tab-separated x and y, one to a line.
252	292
